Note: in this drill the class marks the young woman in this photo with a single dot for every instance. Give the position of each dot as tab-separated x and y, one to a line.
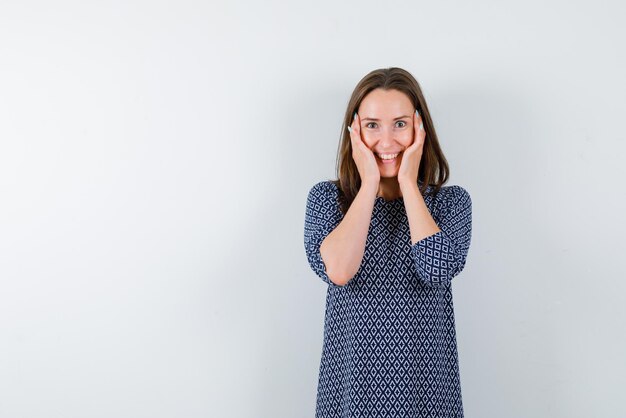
388	238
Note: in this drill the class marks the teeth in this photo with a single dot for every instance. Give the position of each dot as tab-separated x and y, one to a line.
387	156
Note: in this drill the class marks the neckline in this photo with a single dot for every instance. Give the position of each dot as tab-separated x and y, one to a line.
382	199
399	199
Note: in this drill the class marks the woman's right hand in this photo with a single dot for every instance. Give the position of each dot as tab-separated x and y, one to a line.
363	157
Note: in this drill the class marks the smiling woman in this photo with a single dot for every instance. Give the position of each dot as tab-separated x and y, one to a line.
387	136
388	238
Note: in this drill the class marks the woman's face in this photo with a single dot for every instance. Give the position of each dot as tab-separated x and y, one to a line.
387	127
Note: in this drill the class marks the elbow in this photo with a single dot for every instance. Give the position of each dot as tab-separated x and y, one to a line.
339	278
335	271
338	282
439	277
435	281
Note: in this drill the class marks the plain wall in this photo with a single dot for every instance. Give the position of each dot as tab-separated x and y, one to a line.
155	159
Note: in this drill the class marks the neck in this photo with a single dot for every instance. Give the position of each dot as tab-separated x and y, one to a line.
389	188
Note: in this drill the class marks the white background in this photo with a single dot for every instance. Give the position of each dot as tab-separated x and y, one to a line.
155	159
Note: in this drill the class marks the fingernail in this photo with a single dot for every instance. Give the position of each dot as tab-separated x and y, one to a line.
417	113
354	116
349	129
422	126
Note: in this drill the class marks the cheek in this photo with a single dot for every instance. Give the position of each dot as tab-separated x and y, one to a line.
368	139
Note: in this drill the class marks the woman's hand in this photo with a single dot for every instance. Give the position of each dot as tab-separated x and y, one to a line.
362	155
410	164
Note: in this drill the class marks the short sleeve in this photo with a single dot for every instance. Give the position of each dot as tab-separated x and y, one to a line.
321	217
440	257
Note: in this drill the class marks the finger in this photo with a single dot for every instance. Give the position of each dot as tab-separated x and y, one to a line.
353	137
351	125
415	127
352	141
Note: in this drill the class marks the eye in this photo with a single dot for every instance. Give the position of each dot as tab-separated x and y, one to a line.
371	123
401	121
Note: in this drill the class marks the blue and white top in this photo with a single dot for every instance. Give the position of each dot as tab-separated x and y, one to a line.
389	334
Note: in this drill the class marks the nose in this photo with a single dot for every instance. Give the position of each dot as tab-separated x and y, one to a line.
386	137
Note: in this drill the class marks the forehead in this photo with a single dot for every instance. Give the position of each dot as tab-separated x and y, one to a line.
385	104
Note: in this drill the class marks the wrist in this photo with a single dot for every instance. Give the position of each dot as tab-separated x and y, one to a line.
407	183
369	187
371	183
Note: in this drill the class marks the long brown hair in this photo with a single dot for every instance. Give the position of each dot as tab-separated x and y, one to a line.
433	170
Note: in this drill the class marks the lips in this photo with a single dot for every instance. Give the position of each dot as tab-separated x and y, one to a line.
391	161
379	156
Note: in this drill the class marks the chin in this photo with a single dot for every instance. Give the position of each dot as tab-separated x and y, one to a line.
388	174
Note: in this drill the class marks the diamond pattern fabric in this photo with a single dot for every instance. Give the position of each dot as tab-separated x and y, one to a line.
389	344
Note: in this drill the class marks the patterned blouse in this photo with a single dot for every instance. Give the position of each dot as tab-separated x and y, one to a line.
389	346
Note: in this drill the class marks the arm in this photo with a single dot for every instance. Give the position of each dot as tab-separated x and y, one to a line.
421	223
440	251
334	243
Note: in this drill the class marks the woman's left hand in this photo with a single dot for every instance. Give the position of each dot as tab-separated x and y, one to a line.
410	164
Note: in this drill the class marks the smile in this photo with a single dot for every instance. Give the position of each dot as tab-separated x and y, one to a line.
388	156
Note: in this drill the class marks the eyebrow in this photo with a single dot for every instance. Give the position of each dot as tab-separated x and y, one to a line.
378	120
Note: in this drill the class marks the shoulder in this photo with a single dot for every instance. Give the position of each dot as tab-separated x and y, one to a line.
459	193
324	192
449	197
324	189
456	196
